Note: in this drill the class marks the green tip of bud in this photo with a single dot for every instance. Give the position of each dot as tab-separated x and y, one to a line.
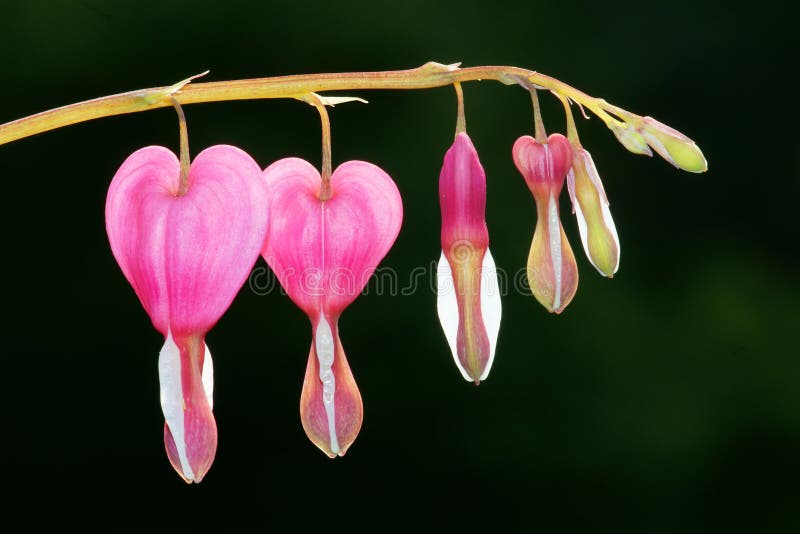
687	156
673	146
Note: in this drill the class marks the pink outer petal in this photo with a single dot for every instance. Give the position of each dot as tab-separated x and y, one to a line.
544	166
465	240
213	237
199	430
349	409
462	196
323	253
142	190
186	257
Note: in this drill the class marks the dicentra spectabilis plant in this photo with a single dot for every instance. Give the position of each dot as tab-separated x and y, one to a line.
187	233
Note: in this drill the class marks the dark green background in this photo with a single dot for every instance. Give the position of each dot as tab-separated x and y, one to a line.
666	400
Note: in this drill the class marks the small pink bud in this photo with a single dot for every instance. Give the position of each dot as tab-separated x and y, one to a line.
552	270
323	253
468	299
589	202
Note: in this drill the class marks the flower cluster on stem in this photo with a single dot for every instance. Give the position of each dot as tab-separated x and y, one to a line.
186	233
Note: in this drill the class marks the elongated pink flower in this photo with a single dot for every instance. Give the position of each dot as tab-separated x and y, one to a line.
186	257
552	270
323	253
468	293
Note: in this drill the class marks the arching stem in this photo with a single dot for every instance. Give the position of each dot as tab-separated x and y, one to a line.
424	77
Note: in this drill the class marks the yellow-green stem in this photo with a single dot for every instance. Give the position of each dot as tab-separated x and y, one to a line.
538	125
427	76
572	130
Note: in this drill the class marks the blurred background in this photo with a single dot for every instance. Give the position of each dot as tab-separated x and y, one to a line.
665	400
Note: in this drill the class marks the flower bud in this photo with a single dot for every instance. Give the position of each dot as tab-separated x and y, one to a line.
673	146
468	296
590	205
552	270
631	139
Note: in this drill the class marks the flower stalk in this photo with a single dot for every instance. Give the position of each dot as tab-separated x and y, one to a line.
185	157
325	121
427	76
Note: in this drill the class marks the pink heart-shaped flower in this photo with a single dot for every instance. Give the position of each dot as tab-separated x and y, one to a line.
323	253
186	258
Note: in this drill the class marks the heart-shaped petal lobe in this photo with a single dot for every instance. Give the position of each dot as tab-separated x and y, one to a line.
323	253
137	207
187	256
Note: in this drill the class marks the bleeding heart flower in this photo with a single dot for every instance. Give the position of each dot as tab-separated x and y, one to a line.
552	270
323	253
186	257
468	293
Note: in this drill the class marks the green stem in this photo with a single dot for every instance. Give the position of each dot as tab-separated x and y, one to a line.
572	131
427	76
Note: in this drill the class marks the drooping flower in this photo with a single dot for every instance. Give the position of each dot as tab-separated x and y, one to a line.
590	205
552	270
468	299
323	253
186	256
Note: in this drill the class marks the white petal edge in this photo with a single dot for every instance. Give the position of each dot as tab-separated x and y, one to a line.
169	379
554	237
208	377
447	308
491	308
325	353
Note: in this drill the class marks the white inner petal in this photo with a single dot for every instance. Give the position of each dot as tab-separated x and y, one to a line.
554	231
208	377
169	378
654	142
325	350
447	308
584	231
491	309
613	229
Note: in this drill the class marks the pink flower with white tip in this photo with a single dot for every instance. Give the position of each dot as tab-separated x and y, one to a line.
186	247
323	252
